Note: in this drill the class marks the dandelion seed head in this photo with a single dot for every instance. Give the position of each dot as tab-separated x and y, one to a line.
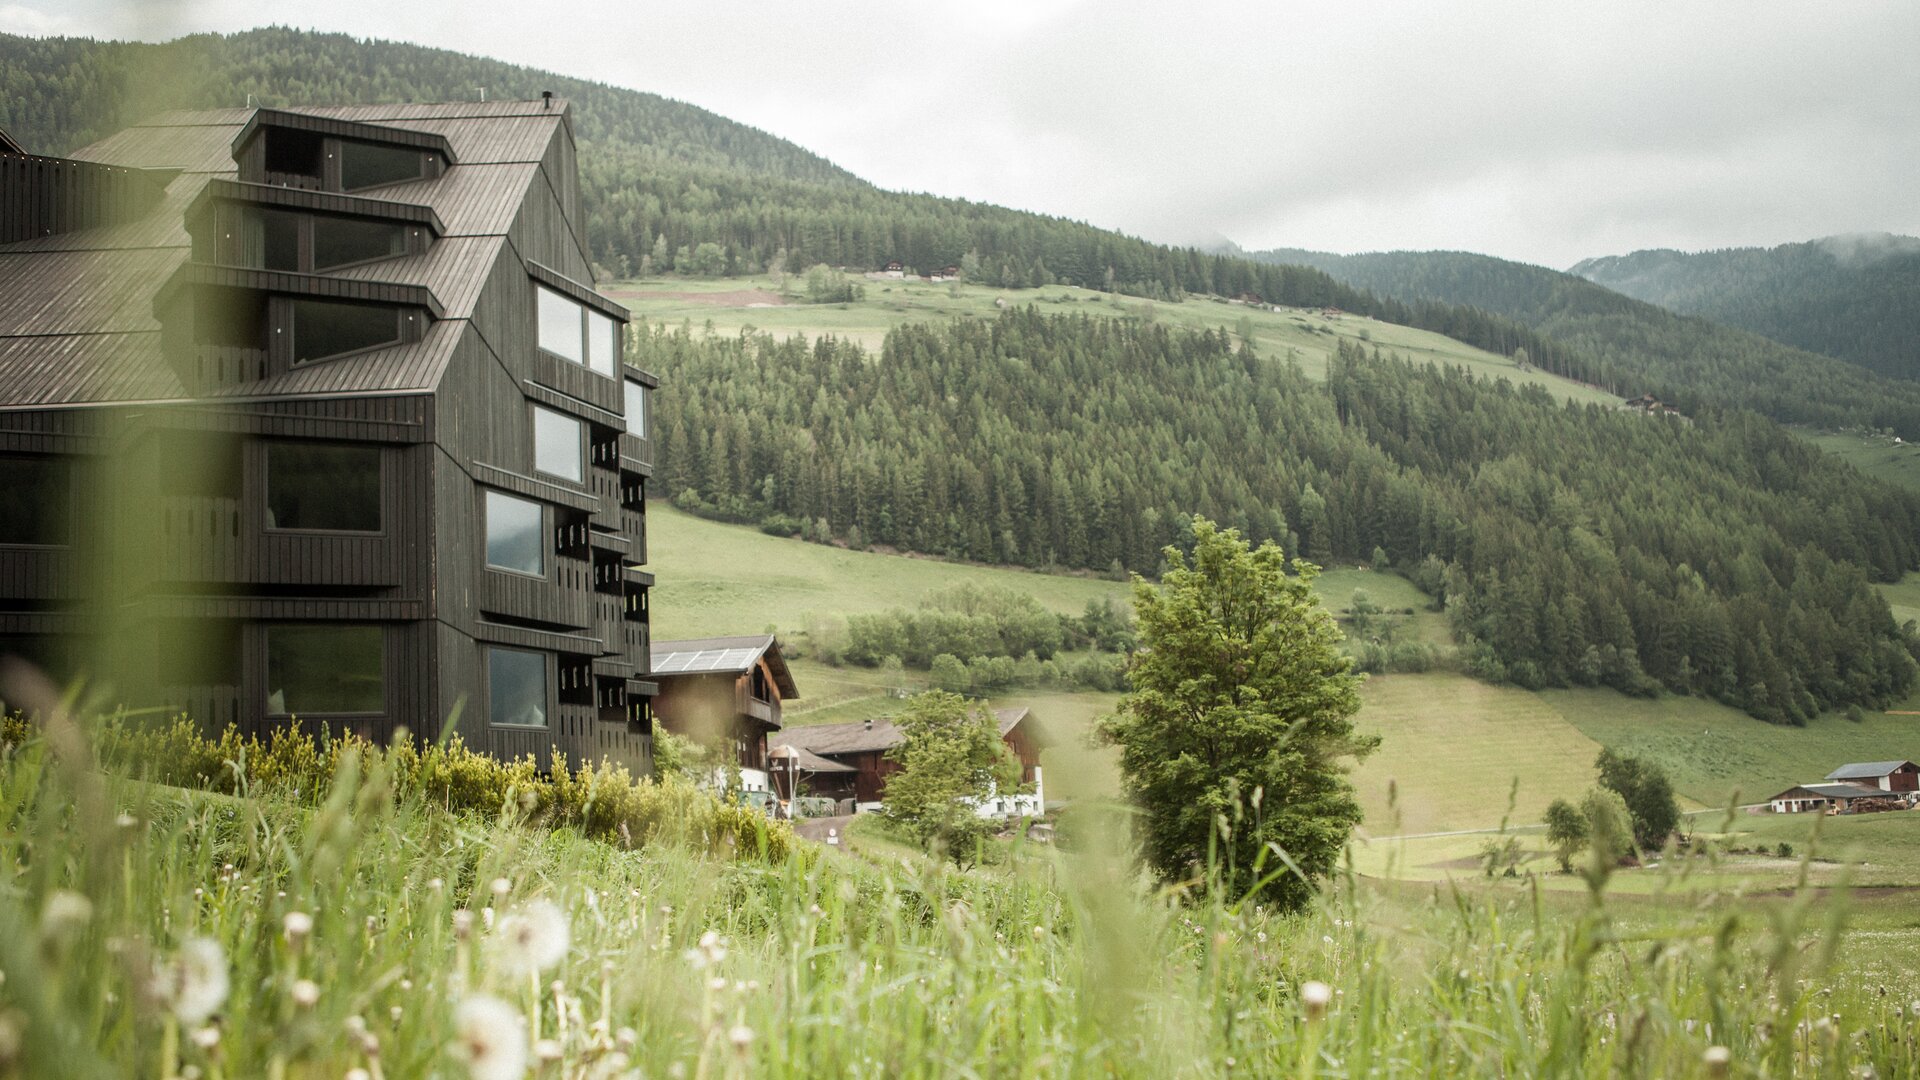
194	984
306	993
532	939
1314	997
741	1036
547	1050
490	1039
297	925
206	1038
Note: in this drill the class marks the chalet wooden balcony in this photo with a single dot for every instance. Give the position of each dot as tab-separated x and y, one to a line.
759	710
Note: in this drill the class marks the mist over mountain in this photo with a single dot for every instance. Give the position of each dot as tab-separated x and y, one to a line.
1855	296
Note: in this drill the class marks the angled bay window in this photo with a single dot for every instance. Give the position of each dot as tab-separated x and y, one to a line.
603	343
323	487
516	687
33	501
636	408
516	534
557	445
322	668
323	329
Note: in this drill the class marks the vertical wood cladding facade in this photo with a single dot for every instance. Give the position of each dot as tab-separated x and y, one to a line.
381	488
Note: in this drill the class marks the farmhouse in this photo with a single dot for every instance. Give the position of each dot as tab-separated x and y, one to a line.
1884	775
894	269
724	691
322	406
861	748
1804	797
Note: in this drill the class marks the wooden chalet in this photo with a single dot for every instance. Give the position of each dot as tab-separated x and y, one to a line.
861	750
314	415
724	691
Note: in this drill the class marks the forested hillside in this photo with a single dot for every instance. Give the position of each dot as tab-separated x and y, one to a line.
1635	347
1854	297
1573	545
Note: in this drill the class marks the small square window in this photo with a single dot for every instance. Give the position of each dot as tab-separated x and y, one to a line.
516	687
33	500
323	487
325	668
516	534
556	445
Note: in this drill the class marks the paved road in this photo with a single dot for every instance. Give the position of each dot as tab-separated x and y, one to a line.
815	829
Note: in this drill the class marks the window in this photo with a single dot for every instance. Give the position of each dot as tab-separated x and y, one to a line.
365	165
323	487
556	445
603	343
636	408
324	328
560	326
33	501
280	236
516	687
290	151
515	534
340	241
325	668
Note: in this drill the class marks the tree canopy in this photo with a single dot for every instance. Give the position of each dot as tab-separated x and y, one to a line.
951	757
1237	731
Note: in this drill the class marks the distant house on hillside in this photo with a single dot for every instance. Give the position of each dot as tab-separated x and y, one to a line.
1883	775
724	691
945	273
1648	405
861	749
894	269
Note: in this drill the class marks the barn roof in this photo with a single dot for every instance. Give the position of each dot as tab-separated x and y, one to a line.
1865	770
723	656
809	761
1830	791
865	737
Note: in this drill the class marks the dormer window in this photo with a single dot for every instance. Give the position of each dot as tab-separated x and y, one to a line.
315	243
370	165
325	329
294	153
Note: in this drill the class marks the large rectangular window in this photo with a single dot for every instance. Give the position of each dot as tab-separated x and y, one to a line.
516	687
345	241
556	445
33	500
560	321
516	534
365	165
325	668
636	408
603	343
324	328
280	240
323	487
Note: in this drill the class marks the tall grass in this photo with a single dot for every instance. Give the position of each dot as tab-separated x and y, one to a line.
669	960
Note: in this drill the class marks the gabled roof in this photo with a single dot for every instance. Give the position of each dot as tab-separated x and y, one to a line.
1865	770
865	737
722	656
8	146
809	761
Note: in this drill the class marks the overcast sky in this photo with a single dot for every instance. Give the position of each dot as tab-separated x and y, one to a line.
1536	131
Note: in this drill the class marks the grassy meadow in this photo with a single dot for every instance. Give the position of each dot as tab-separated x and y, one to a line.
154	931
1874	455
734	304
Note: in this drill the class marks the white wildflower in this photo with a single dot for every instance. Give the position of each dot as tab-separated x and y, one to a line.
66	913
533	939
547	1050
306	993
1718	1059
206	1038
490	1037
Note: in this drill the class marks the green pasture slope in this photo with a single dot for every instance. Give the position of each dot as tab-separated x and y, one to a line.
734	304
1451	746
1875	455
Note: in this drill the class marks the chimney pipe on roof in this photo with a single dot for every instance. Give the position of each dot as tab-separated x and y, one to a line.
546	100
869	723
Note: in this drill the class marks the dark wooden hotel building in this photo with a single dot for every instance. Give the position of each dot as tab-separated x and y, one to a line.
316	414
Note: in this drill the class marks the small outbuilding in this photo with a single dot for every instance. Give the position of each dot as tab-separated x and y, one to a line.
1836	798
